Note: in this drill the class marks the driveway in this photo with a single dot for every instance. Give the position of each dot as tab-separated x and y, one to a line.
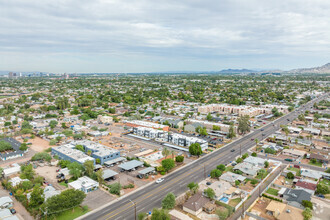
97	198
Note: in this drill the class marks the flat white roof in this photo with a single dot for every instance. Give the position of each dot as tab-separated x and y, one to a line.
131	164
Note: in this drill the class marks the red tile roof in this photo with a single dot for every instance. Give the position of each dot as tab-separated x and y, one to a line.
306	185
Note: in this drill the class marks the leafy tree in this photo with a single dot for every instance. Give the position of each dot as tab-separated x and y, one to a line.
244	156
195	149
76	170
216	128
27	172
328	170
237	183
168	164
254	154
65	200
221	167
290	175
179	159
26	185
239	160
115	189
322	189
37	196
209	117
89	167
266	164
142	216
169	201
160	214
4	146
209	193
307	204
26	125
254	181
270	151
53	124
307	213
243	124
231	132
99	176
193	187
64	163
222	214
215	173
42	156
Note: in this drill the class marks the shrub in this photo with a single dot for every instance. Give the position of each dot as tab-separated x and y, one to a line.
254	181
254	154
115	189
270	151
307	213
290	175
307	204
129	186
215	173
179	159
221	167
272	198
42	156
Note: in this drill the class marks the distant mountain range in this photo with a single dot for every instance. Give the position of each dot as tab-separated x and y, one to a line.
316	70
319	70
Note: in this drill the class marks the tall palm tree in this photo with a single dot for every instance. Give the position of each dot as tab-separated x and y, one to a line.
165	152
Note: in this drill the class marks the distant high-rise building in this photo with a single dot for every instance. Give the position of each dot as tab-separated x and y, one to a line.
10	75
20	75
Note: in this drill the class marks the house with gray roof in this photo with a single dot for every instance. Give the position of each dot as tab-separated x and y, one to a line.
247	169
232	177
294	197
255	161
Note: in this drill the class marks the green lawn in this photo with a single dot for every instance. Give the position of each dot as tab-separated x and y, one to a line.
234	202
272	191
295	169
319	164
65	184
69	214
325	182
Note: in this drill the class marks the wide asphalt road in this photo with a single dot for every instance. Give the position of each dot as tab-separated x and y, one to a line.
151	196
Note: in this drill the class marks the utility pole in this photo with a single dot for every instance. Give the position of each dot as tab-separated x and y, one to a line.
134	207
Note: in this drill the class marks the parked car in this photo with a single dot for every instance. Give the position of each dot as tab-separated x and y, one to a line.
208	183
13	211
139	176
159	180
321	196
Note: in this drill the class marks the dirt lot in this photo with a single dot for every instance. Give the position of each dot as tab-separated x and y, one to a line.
20	209
49	173
282	182
260	207
39	144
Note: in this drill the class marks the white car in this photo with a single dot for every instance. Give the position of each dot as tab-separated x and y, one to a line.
159	180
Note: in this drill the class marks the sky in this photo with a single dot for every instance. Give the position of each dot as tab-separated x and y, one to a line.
121	36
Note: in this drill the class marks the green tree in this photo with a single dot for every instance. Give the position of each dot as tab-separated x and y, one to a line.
243	124
307	213
195	149
193	187
26	185
266	164
89	167
99	176
169	201
27	172
142	216
322	189
168	164
160	214
289	175
254	154
80	147
37	197
115	188
65	200
179	159
209	193
231	132
237	183
244	156
52	124
307	204
221	167
76	170
215	173
209	117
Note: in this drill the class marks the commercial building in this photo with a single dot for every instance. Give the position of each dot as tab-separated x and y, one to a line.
67	152
138	123
148	132
16	152
104	119
98	151
84	184
209	125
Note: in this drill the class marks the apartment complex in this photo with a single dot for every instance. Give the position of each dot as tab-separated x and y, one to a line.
241	109
138	123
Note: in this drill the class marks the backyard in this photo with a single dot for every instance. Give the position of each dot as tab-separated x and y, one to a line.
272	191
72	213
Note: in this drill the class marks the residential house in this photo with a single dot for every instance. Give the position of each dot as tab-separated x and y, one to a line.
311	174
247	169
293	152
294	197
194	205
84	184
275	208
104	119
232	177
307	185
6	202
320	157
255	161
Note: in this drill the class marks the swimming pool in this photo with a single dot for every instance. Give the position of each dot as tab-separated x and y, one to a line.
224	199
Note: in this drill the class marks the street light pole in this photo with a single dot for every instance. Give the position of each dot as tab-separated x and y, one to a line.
134	207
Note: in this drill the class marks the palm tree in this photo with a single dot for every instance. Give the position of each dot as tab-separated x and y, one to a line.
165	152
173	153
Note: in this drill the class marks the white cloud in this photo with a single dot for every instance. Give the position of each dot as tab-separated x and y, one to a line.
189	30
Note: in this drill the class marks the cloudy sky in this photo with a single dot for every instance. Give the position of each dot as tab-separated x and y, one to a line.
152	35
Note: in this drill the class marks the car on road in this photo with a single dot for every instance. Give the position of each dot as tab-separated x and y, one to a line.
263	134
321	196
232	150
262	129
159	180
252	139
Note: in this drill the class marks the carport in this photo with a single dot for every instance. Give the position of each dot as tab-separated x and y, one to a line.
130	165
116	160
147	170
107	174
